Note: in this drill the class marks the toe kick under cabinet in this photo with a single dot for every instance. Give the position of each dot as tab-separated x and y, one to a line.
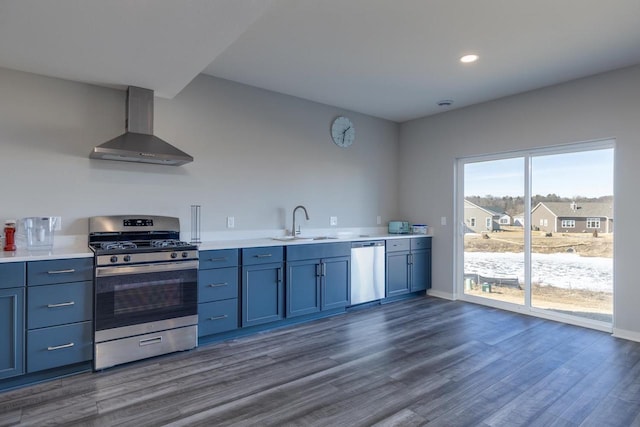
59	313
218	279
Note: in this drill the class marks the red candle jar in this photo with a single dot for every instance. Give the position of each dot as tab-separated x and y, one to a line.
10	236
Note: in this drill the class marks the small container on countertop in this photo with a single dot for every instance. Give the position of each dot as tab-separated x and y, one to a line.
419	228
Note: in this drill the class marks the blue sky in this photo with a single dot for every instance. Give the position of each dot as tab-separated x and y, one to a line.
587	173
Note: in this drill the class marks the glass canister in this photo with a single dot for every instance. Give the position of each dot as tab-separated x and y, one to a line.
10	235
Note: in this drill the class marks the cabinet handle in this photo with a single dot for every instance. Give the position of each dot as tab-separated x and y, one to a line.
224	258
279	278
149	341
318	270
71	270
324	269
60	347
62	304
217	285
264	255
224	316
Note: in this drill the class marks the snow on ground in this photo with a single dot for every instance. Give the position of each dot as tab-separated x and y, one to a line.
569	271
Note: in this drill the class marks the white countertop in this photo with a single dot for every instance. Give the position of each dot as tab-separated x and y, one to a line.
80	250
269	241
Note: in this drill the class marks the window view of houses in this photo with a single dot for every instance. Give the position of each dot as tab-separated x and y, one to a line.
571	247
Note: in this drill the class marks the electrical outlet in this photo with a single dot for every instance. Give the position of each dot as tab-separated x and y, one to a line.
231	222
443	220
333	220
378	220
58	224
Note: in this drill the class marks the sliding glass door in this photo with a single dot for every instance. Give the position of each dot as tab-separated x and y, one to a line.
493	246
536	231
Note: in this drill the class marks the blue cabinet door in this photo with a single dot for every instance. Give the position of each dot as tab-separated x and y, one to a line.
303	287
420	270
336	282
397	273
11	332
262	294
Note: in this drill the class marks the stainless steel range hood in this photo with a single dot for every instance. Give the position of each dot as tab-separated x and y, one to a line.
138	144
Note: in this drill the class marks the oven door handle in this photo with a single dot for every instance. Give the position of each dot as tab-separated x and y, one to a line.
145	268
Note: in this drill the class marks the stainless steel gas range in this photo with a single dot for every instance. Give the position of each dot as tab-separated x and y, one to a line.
146	288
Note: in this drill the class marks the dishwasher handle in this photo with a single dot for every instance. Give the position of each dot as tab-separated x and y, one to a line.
367	244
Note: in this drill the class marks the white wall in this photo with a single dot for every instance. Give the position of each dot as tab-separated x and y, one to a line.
257	153
598	107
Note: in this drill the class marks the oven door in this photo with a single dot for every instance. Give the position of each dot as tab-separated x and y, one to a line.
139	294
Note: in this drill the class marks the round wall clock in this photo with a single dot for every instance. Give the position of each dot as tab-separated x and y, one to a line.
343	132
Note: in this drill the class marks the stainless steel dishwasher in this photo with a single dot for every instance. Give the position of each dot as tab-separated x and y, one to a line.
367	271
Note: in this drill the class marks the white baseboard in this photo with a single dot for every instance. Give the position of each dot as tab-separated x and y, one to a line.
626	334
440	294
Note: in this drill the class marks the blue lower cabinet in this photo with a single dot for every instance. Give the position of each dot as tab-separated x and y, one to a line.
59	346
262	294
11	332
336	283
421	270
303	287
217	316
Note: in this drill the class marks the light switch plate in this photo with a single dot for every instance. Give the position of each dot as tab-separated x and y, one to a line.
443	220
333	220
231	222
378	220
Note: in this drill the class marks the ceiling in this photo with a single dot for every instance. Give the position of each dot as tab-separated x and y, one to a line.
394	59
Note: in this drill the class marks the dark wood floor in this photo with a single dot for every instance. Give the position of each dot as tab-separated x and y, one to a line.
424	361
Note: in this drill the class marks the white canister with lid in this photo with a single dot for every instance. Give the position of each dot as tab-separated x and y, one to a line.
419	228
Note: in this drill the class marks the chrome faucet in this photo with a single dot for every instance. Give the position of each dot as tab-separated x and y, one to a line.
295	232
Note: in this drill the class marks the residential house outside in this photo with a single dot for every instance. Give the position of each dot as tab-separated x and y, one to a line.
478	219
564	217
505	219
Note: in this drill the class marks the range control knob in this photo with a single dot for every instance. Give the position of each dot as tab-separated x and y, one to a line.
174	255
185	254
127	258
114	258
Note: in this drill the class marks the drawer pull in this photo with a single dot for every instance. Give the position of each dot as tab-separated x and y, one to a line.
62	304
149	341
217	285
71	270
264	255
60	347
224	258
224	316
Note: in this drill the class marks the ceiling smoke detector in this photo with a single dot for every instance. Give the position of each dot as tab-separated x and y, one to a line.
445	103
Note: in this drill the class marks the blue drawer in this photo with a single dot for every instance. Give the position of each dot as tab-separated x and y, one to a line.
421	243
318	250
12	275
52	305
59	271
217	284
218	258
218	316
266	255
59	346
395	245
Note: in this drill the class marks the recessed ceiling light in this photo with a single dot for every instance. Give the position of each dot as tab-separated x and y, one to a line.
469	58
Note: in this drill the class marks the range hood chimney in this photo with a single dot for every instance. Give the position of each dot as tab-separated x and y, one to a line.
138	144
